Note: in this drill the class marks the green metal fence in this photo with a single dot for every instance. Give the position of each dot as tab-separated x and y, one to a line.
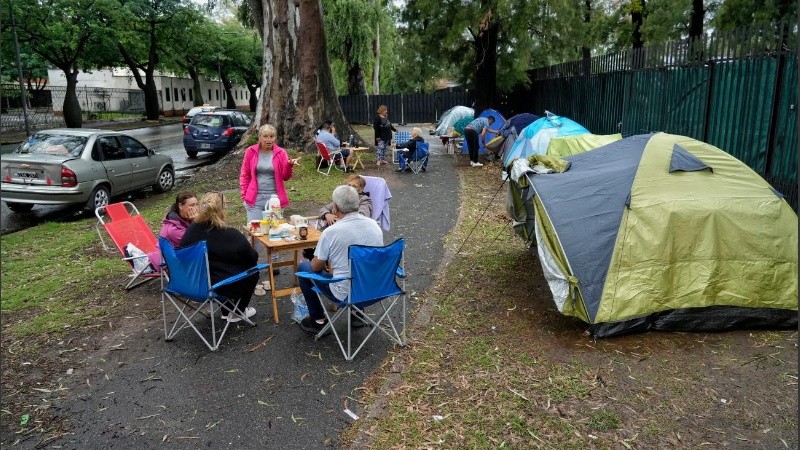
735	90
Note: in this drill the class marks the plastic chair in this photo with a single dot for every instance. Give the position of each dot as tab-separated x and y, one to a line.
189	287
419	160
330	157
374	275
125	226
401	137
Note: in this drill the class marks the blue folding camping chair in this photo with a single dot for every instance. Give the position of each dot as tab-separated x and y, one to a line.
415	161
189	290
374	275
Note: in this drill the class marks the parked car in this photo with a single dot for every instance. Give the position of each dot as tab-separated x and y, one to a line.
217	131
194	111
80	166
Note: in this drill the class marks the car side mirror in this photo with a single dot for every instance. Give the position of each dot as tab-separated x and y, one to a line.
150	152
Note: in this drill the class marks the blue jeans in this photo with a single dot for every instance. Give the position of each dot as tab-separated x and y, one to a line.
315	311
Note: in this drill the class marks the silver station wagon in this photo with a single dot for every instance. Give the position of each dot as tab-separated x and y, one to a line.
80	166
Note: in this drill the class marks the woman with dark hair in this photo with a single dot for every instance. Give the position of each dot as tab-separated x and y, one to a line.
229	253
179	216
383	133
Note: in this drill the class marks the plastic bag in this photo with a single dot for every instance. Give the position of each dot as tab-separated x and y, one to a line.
141	263
300	310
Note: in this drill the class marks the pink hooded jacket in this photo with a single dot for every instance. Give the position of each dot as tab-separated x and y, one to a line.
248	180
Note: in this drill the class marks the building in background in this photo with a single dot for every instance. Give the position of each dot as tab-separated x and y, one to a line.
116	90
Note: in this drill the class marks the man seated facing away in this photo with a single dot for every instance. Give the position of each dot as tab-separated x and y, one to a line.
350	228
331	142
409	151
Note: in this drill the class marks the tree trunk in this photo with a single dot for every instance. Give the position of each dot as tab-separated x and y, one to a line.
198	92
253	99
637	18
376	71
696	29
297	86
356	85
486	65
151	107
230	103
73	116
586	52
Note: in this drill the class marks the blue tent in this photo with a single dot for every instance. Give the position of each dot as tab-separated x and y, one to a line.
518	123
498	122
535	138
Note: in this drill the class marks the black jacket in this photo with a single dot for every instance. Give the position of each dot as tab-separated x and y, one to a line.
229	252
383	129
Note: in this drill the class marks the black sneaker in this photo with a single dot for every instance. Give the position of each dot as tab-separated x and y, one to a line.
311	325
424	169
400	170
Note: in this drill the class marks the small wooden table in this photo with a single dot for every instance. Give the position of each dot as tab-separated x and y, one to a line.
276	246
356	152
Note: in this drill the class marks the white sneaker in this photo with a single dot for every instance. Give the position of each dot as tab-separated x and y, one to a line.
475	164
233	317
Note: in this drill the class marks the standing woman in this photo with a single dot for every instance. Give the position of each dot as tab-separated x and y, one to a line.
265	168
383	133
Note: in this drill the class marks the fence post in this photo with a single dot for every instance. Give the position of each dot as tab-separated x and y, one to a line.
402	112
776	91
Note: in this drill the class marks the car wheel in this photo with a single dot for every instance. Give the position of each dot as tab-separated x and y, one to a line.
166	180
19	207
100	197
191	153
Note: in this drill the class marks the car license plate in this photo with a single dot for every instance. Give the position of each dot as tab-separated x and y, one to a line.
28	175
205	146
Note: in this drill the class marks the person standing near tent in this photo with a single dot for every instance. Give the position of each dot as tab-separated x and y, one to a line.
478	126
383	132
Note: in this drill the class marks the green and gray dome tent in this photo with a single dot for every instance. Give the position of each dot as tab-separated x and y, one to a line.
664	232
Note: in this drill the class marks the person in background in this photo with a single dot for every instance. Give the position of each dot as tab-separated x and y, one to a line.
229	253
265	168
179	216
383	133
350	228
410	151
478	126
327	137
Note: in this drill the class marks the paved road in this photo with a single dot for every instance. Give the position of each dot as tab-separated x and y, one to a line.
166	139
290	393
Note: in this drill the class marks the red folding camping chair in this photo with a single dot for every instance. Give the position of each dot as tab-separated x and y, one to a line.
125	226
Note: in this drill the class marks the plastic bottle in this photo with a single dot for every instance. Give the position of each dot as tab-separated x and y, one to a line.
273	207
351	142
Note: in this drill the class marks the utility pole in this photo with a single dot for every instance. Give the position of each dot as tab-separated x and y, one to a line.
22	95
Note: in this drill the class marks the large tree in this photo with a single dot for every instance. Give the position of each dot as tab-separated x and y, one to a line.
192	53
297	87
489	42
142	28
66	34
350	28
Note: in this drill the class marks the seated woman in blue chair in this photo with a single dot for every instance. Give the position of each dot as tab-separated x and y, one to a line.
409	151
229	253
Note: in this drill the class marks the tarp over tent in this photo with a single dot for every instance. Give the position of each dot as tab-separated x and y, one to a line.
498	122
519	207
535	138
664	232
451	116
518	123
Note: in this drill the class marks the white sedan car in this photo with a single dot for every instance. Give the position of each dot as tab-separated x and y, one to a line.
80	166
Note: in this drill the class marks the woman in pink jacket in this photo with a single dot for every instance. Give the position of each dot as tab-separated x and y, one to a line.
264	169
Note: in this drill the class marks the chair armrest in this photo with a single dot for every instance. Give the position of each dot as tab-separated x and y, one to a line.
255	269
318	277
